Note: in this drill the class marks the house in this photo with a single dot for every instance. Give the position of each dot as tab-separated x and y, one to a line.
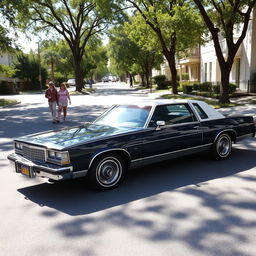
6	59
201	65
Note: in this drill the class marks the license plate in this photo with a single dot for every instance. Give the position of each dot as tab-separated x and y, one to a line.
25	170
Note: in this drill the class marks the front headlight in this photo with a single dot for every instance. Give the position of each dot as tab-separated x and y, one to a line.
58	157
18	146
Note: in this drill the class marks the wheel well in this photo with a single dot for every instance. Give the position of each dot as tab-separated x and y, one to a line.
231	133
125	156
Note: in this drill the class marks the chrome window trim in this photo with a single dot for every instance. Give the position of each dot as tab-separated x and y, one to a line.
187	104
172	152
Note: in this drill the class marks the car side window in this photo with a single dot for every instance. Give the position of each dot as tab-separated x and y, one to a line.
172	114
200	111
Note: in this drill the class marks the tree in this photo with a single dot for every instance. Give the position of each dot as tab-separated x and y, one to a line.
75	20
175	23
221	17
5	40
50	57
27	68
140	33
129	58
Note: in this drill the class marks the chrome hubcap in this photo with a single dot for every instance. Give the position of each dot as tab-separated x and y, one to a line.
108	172
223	146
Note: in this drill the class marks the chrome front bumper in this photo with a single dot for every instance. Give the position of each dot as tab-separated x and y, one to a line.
45	170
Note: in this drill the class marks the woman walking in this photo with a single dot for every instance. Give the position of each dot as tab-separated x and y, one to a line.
63	98
52	96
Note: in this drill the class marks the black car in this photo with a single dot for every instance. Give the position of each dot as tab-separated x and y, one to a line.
127	136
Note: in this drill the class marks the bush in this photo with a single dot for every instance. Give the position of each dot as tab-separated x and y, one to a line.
187	88
196	87
4	88
231	88
159	79
205	87
161	82
185	76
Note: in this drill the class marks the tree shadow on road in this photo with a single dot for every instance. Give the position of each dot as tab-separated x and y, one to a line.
161	187
74	198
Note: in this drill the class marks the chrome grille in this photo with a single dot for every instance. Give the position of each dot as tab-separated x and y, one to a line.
34	154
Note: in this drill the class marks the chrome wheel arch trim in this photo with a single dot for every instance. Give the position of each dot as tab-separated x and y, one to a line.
108	151
224	131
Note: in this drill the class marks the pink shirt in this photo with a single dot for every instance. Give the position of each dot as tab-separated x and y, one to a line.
63	97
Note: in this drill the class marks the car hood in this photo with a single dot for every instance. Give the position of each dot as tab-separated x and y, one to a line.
75	135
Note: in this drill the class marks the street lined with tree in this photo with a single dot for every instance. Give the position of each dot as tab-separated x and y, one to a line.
141	35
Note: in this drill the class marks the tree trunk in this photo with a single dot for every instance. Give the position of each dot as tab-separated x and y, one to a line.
143	80
171	62
131	80
224	86
78	75
170	56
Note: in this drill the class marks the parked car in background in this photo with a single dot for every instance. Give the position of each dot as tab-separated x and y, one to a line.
71	82
127	136
114	79
105	79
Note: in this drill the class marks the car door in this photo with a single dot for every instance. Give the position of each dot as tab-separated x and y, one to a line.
180	133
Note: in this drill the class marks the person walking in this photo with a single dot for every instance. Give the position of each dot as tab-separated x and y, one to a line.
63	98
52	95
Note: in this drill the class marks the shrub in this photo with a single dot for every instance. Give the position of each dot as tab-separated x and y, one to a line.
159	79
205	87
187	88
161	82
196	87
185	76
231	88
4	88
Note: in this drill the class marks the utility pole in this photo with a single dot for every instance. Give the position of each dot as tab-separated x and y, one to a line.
39	64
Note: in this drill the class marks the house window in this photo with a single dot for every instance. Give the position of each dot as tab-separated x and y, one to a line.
210	72
205	72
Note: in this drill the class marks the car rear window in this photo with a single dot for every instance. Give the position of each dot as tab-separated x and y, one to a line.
200	111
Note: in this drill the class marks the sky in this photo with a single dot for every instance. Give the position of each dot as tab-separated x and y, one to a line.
27	44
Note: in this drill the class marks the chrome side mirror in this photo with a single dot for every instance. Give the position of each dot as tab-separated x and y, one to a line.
160	124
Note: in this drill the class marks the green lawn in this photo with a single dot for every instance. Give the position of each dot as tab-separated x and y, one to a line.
5	102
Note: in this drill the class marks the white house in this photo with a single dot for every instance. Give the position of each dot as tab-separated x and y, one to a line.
202	64
244	66
6	59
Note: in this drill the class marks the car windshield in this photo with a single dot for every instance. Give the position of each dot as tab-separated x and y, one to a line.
125	116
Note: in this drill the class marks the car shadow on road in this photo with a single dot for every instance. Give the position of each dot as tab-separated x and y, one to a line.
74	198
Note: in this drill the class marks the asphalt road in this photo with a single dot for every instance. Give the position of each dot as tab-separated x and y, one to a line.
191	206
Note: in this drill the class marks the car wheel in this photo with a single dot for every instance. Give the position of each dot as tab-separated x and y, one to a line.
222	147
106	172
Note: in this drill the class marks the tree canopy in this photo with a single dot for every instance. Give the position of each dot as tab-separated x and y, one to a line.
74	20
176	24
